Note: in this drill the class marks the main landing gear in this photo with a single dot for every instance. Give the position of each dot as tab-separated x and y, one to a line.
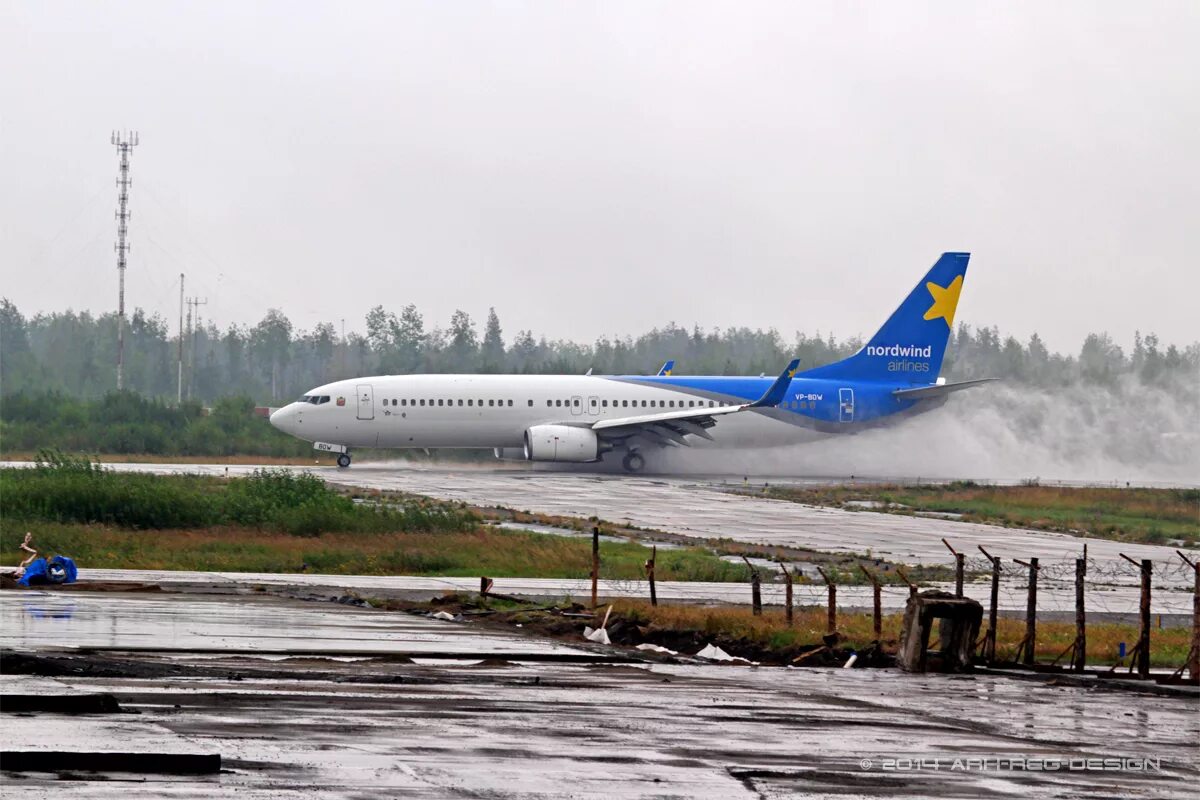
633	462
343	460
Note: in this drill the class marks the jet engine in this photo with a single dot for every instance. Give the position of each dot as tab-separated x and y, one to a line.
561	443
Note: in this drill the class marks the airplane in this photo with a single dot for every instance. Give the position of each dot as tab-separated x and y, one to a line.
592	418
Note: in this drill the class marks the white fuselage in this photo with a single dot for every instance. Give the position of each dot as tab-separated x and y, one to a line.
495	411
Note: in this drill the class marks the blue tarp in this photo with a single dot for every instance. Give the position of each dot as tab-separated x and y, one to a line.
59	569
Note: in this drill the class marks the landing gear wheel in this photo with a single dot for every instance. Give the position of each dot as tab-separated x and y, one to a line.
344	460
633	462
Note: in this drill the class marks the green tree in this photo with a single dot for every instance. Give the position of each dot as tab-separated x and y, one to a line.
493	344
270	344
464	344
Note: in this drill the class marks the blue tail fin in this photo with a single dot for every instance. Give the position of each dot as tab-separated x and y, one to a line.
910	345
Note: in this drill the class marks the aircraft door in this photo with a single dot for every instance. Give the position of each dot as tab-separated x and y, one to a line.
593	405
576	405
845	405
366	401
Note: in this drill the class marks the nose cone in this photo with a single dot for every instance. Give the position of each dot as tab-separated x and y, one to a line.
285	418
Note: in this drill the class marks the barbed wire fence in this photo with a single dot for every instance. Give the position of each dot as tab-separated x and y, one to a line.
1058	588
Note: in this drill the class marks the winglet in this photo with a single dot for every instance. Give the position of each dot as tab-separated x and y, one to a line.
774	395
666	369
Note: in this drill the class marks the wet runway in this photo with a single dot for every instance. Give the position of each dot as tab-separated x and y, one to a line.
48	619
370	727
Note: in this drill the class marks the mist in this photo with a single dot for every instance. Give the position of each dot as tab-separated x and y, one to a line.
1126	432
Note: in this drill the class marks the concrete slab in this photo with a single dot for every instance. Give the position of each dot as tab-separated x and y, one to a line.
380	728
35	694
718	732
53	743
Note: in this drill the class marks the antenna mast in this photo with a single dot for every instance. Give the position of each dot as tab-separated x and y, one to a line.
125	142
194	304
179	390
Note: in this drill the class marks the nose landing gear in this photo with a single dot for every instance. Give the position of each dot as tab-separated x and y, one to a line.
343	460
633	462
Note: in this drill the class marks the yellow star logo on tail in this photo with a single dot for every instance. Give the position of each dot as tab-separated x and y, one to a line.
945	300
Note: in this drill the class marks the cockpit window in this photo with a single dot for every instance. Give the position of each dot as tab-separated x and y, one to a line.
303	399
324	398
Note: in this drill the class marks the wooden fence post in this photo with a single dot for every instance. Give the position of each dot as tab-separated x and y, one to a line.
755	589
595	564
989	644
1142	648
1080	661
1193	659
1192	662
959	566
832	623
877	605
787	593
1030	641
1143	663
650	574
485	586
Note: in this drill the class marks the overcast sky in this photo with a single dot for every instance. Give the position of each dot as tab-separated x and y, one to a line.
602	168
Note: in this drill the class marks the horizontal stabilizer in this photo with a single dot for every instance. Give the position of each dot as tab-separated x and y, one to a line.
926	392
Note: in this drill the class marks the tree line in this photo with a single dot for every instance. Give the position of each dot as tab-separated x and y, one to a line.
74	353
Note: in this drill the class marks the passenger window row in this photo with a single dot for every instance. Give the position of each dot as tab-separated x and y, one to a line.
573	402
471	402
659	403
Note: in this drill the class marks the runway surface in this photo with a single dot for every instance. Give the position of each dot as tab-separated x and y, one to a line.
344	726
702	509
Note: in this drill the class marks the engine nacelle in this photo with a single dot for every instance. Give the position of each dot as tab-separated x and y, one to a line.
561	443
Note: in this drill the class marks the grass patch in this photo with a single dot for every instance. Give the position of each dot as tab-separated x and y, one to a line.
1150	516
66	489
469	552
280	521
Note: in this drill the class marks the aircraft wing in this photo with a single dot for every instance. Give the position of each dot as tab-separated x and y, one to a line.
672	427
926	392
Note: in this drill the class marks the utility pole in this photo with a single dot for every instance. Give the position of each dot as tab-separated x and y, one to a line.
194	304
179	358
125	142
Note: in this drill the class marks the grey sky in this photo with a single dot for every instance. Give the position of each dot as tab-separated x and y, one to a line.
602	168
